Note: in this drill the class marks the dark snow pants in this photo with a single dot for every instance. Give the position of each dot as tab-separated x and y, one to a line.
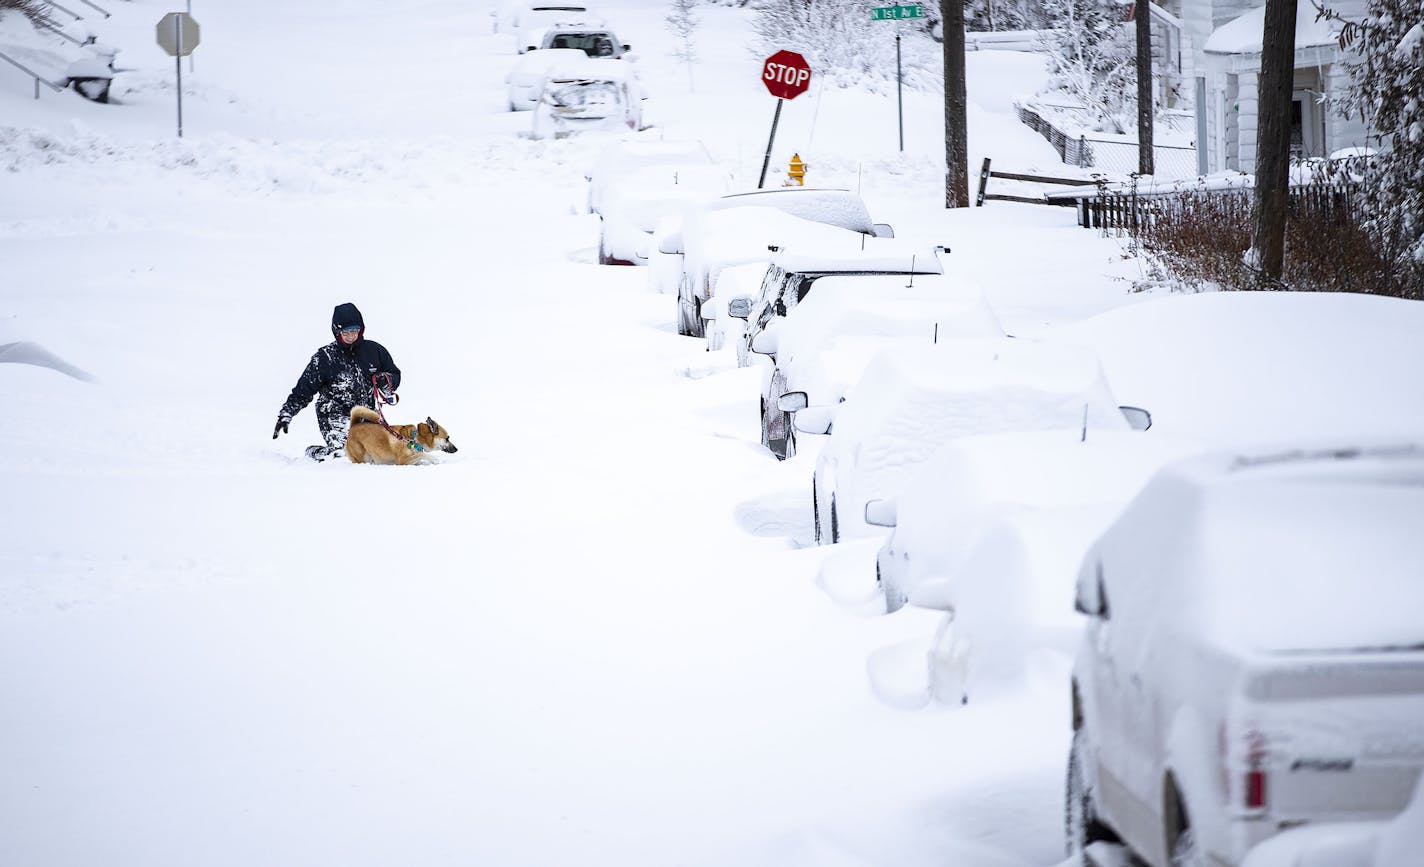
334	420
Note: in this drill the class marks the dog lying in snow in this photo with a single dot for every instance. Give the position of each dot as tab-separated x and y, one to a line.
368	441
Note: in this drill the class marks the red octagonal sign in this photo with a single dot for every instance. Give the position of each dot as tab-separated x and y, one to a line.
786	74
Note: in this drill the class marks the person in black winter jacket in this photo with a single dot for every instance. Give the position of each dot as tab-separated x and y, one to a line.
339	377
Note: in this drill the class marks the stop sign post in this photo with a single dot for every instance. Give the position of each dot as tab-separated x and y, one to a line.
178	34
786	75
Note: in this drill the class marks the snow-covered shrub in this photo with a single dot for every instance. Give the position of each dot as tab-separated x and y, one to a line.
28	8
1193	239
1387	92
1092	56
844	47
682	23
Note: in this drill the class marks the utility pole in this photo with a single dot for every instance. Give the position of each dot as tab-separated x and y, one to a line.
956	102
1268	238
1142	15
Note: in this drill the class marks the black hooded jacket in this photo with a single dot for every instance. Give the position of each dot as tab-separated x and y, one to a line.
342	374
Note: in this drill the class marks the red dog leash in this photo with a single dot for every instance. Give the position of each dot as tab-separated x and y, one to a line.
380	396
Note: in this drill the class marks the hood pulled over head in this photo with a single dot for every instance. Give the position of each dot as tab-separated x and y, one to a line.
345	316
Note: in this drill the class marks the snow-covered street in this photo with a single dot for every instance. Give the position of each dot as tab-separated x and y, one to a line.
599	634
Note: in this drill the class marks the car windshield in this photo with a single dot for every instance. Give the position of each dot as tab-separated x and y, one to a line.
592	44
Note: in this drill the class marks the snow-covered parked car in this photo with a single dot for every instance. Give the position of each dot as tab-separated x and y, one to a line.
973	482
525	80
831	207
1253	658
861	303
711	240
590	95
633	153
529	22
636	200
796	269
1235	367
1395	843
913	399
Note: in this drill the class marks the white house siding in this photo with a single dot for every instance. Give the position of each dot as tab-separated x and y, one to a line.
1249	84
1229	114
1344	132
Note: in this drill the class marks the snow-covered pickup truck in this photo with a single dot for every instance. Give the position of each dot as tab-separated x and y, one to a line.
1254	654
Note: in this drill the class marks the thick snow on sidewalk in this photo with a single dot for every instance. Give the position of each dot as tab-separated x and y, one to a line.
594	635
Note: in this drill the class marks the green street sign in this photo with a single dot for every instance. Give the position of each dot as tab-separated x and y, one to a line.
892	13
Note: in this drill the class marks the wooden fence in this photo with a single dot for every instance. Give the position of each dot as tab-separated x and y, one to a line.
985	174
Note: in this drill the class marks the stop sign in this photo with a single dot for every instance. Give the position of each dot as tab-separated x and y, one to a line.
786	74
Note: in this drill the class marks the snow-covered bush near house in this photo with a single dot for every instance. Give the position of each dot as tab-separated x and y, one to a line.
1264	366
1386	78
1092	57
912	400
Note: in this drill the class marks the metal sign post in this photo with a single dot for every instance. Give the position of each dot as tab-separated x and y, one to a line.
786	75
896	13
178	34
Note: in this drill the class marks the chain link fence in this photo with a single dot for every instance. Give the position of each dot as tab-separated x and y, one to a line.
1113	156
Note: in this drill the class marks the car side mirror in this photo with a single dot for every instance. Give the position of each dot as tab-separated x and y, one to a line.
671	243
1091	597
1137	417
814	419
765	343
739	308
880	513
792	401
882	230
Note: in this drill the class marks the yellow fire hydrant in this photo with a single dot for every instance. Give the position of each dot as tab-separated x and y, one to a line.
796	172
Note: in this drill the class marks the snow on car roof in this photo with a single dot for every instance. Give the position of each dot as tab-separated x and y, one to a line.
828	338
835	207
585	68
534	61
737	235
860	252
1237	367
889	305
913	399
646	194
1293	549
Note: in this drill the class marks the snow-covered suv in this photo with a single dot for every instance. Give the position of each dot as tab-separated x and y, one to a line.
1254	653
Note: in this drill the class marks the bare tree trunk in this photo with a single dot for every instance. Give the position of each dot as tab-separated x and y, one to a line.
1273	113
1142	12
956	101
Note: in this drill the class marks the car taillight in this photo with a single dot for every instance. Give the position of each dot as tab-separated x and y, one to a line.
1243	754
1253	788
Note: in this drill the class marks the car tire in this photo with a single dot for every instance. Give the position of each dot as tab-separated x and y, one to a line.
603	257
895	598
1081	825
1184	850
816	512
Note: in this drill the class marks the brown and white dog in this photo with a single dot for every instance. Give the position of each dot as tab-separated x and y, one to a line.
368	441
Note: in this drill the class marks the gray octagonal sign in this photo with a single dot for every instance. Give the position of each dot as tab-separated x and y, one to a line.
178	34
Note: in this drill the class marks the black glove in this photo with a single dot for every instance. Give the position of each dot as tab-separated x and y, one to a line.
282	422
